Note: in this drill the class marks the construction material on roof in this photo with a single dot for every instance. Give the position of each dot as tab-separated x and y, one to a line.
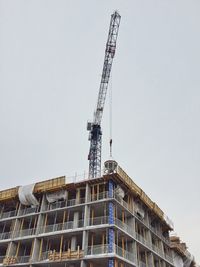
8	194
50	185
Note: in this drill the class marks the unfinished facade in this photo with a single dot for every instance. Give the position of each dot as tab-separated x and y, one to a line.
103	222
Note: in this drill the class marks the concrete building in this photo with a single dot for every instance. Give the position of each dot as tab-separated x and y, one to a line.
106	221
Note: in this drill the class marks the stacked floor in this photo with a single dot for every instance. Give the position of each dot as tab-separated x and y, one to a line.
106	221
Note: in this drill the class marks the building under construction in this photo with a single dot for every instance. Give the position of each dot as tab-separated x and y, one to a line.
107	221
104	220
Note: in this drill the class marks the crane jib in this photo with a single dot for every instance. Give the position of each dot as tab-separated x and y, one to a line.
95	133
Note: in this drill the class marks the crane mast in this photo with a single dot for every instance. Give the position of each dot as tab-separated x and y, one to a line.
94	128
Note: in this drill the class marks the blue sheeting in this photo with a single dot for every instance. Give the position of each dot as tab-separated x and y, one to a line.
110	188
111	233
111	263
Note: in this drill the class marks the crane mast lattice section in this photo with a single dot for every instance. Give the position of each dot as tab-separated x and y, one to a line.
94	128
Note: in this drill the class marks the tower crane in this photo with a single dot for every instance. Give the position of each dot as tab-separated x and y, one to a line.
94	128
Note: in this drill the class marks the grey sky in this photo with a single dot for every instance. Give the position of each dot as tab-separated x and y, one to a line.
51	56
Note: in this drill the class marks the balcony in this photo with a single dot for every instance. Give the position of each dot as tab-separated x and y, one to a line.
53	255
61	226
100	196
23	259
24	232
159	234
97	250
27	211
124	254
155	231
103	250
6	235
16	260
104	220
142	264
8	214
66	203
99	220
157	250
1	259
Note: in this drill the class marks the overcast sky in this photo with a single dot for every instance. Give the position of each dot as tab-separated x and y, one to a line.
51	57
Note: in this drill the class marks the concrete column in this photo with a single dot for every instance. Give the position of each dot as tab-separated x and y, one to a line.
131	224
73	243
147	219
77	195
36	250
11	250
86	223
134	248
149	239
83	263
19	209
76	219
15	227
151	259
44	203
41	218
162	247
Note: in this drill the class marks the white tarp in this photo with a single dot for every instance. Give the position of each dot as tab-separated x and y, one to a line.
54	196
26	196
178	261
188	260
119	191
168	221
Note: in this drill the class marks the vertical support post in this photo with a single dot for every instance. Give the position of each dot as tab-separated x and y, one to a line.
92	221
61	245
31	248
123	246
45	222
41	246
17	251
123	216
64	216
97	191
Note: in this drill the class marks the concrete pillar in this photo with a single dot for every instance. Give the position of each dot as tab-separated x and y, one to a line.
77	195
148	236
134	244
44	203
36	250
76	219
19	209
162	247
11	250
151	259
73	243
132	250
15	227
83	263
131	224
147	219
86	223
41	218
